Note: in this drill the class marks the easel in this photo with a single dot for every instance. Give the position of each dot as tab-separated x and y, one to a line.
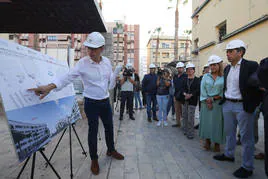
33	164
70	143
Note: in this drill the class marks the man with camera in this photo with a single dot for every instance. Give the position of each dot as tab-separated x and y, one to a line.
127	82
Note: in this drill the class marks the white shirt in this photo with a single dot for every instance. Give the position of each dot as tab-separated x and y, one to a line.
127	85
232	83
95	77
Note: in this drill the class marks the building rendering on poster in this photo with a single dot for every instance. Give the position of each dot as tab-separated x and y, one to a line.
33	122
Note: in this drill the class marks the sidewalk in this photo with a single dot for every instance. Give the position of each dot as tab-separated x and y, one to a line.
151	152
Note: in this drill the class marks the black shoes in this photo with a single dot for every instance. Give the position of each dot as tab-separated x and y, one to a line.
196	126
149	120
120	118
175	125
132	118
242	173
222	157
156	119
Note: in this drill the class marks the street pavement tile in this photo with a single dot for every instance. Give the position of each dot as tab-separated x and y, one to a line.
150	152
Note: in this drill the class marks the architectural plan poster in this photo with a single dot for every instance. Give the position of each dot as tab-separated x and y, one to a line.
33	122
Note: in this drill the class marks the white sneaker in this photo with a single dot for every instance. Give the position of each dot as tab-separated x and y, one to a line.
159	123
165	123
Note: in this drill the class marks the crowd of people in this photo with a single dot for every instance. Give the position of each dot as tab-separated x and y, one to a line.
227	97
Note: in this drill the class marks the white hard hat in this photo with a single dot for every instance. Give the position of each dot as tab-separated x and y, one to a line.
214	59
235	44
128	65
190	65
179	65
94	40
206	65
152	66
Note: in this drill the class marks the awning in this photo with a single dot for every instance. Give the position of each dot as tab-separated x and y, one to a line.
50	16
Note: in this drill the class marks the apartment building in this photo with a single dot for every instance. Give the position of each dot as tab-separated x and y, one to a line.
217	22
125	43
166	50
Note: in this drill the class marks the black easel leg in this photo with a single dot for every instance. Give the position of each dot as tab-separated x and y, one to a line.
56	146
33	165
41	151
84	152
23	167
70	139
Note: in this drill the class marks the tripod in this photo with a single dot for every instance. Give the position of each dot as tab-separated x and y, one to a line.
33	164
71	126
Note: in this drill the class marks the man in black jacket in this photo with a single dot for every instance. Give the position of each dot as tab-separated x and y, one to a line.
178	82
149	87
239	103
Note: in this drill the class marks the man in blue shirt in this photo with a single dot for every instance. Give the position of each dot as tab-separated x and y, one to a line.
149	87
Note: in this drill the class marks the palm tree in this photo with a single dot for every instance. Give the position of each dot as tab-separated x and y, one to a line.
156	30
177	27
187	32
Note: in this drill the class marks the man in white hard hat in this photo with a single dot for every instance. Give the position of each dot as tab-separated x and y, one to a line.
97	76
205	69
177	82
150	88
127	93
239	103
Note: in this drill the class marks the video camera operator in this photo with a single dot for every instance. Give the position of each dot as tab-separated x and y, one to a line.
127	82
163	84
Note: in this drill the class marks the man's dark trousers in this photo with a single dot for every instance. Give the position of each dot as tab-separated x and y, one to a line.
151	98
126	96
95	109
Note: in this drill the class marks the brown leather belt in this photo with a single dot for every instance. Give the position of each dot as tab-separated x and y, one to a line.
234	100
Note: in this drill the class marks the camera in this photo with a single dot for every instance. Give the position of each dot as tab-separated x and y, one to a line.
127	72
160	72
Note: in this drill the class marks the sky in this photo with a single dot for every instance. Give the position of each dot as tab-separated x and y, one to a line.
149	14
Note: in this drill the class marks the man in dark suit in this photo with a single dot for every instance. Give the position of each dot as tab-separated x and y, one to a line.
239	103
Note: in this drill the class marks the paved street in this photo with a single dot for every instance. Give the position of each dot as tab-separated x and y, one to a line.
150	152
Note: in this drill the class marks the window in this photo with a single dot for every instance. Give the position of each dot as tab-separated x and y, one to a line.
51	38
165	55
165	45
221	30
153	45
158	55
